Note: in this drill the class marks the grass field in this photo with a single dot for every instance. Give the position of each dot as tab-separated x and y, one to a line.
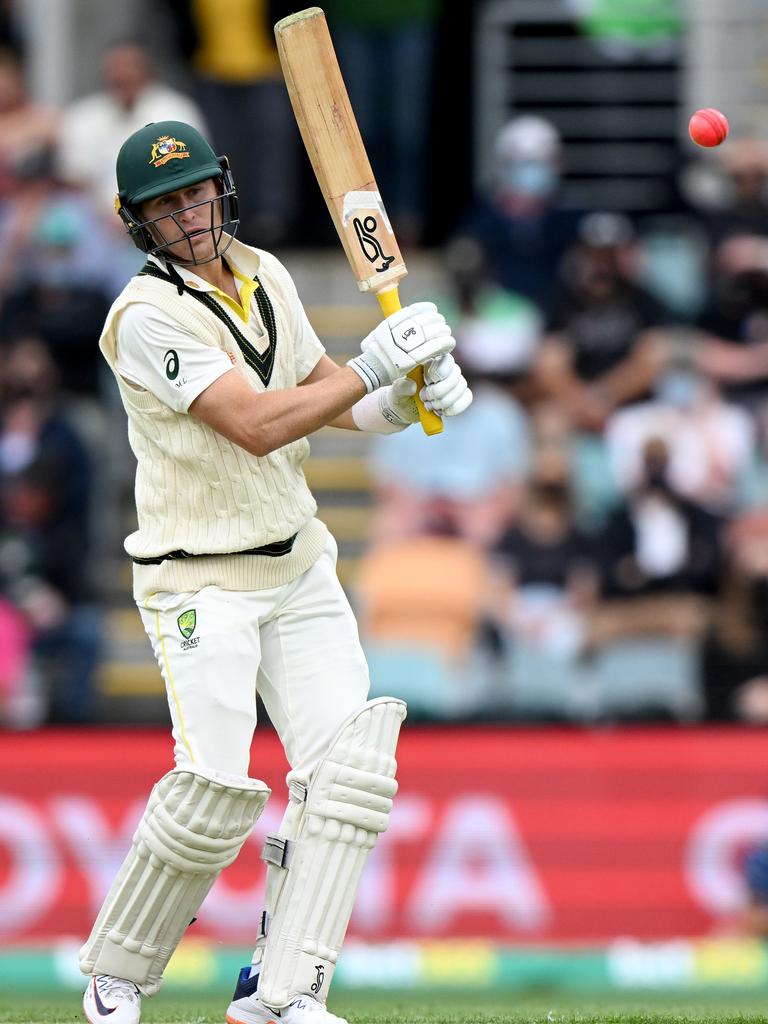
413	1009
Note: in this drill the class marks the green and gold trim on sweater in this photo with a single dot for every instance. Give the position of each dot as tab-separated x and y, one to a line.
262	363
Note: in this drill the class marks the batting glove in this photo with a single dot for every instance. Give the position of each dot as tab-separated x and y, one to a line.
405	340
445	391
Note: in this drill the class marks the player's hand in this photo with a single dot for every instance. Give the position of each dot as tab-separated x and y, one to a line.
409	338
445	391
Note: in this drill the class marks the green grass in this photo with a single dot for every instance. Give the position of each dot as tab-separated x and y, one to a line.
414	1009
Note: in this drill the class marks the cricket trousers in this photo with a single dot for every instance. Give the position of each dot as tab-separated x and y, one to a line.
296	645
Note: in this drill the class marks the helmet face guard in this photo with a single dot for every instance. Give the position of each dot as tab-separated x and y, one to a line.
148	234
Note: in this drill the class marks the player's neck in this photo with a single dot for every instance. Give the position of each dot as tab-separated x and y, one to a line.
218	274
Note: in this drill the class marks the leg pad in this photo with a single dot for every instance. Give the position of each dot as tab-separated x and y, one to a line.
347	806
194	825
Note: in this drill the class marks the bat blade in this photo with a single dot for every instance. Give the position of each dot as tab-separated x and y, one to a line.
335	148
336	151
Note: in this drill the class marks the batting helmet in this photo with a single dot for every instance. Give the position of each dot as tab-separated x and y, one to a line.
162	157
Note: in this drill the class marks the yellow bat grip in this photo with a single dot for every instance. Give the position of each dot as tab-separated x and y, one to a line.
431	423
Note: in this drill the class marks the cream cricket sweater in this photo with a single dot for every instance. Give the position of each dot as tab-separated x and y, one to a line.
196	492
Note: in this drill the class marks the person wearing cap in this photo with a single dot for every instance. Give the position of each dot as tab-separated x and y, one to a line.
605	344
222	378
518	224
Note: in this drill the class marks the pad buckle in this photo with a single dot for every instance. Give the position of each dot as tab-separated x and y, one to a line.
277	851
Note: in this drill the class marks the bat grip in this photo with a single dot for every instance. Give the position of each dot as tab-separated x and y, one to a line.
431	423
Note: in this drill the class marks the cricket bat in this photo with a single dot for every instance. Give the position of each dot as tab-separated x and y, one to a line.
337	154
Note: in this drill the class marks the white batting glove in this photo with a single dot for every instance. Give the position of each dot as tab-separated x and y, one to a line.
445	391
405	340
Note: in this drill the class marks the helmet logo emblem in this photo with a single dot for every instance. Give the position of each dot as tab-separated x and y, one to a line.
167	148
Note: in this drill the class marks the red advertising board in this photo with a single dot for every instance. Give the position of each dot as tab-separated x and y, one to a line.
529	835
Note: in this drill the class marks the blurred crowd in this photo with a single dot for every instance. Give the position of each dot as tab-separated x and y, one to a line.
64	256
588	542
599	516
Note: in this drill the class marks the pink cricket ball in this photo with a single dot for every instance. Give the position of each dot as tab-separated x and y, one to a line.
708	127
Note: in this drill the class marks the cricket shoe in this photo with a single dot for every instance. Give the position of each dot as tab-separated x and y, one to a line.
111	999
247	1008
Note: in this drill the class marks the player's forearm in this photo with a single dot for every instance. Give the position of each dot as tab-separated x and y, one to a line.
262	422
279	417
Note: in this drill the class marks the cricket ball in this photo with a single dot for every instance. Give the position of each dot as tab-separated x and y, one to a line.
708	127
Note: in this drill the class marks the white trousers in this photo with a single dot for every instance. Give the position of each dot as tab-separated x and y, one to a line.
295	645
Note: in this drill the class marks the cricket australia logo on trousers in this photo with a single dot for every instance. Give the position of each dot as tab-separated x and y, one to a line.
187	623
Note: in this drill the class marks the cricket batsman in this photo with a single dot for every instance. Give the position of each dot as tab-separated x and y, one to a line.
222	378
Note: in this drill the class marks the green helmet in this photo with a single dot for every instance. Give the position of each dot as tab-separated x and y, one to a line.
162	157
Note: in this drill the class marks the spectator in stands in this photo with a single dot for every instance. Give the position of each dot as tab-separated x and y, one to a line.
547	566
660	558
468	479
27	137
499	331
710	443
231	49
422	604
734	660
745	210
93	128
518	225
57	294
27	129
44	527
605	345
734	348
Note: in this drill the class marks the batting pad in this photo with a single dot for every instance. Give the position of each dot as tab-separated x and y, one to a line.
194	825
347	806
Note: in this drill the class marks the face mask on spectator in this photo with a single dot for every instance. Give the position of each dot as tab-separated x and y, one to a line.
680	388
534	178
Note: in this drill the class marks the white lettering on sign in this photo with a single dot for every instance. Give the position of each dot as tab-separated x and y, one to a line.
712	861
31	882
97	849
409	820
477	862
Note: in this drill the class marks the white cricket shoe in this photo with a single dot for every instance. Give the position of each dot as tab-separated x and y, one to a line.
247	1008
111	999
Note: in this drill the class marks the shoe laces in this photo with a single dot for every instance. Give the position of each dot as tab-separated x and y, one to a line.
117	988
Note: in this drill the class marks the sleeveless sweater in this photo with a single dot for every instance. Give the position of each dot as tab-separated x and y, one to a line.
197	493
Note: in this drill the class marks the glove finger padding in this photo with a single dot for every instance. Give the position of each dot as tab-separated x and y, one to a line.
439	389
446	391
439	369
455	403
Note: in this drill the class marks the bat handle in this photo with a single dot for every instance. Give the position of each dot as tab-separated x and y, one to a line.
431	423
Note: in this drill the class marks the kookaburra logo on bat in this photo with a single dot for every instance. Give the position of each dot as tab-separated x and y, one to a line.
370	245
